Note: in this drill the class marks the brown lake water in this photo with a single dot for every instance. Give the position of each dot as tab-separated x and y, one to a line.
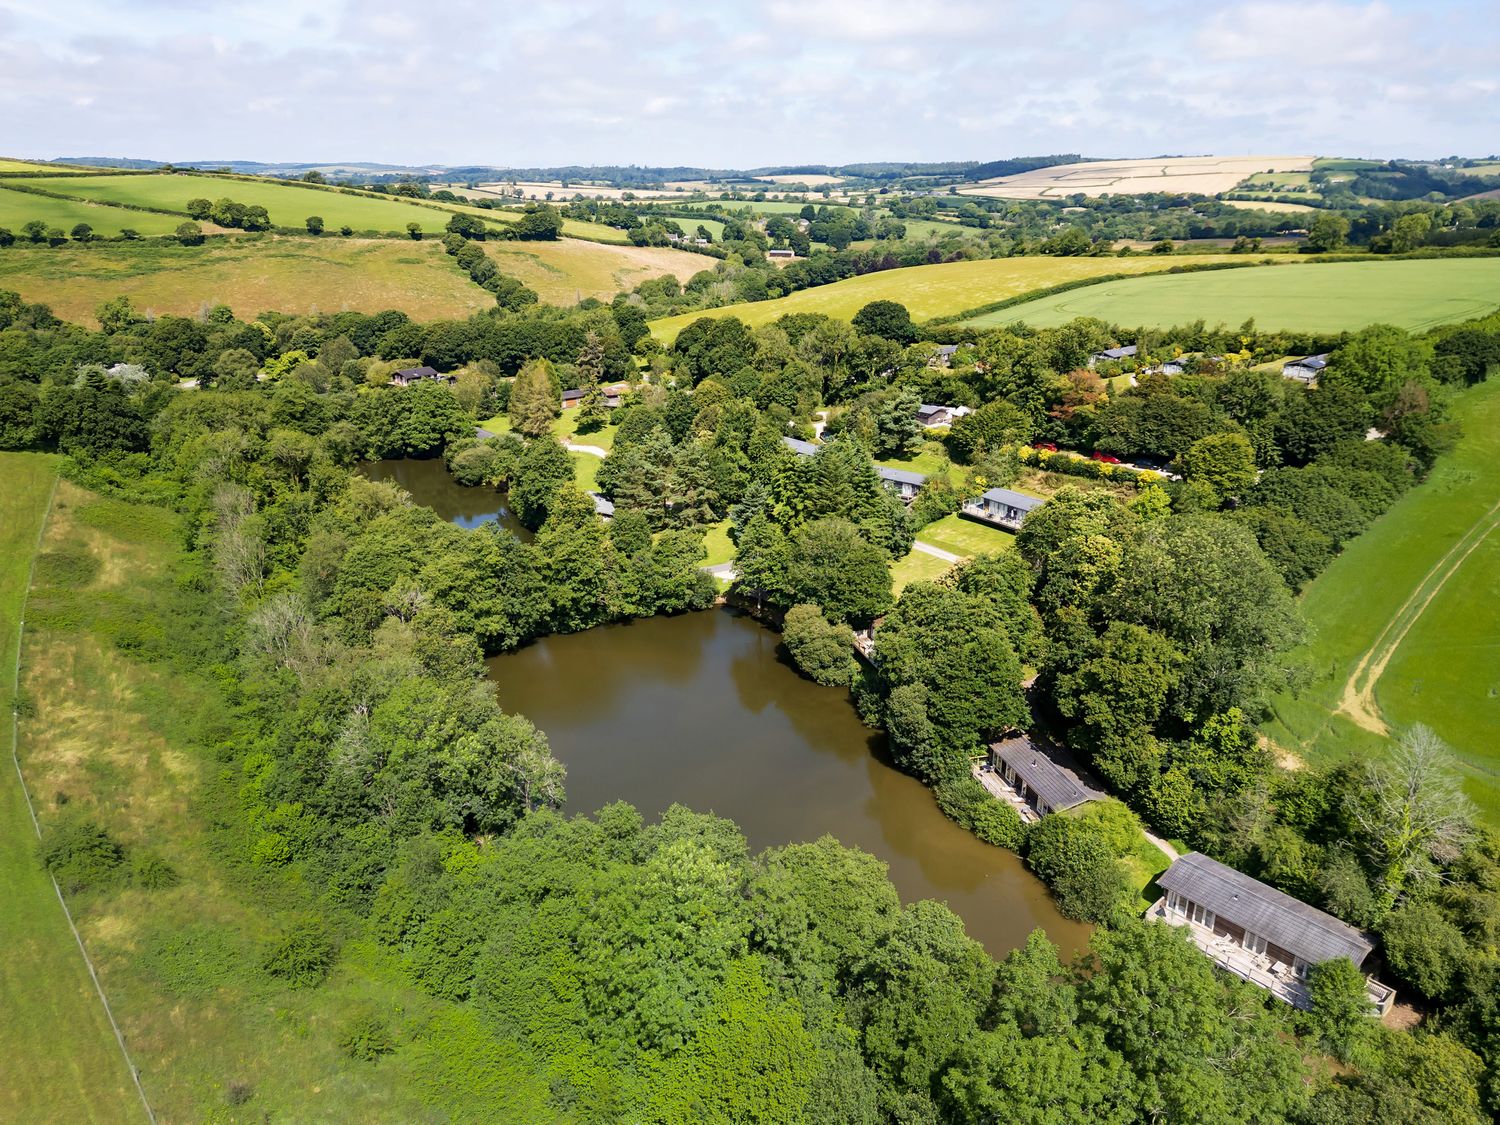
702	710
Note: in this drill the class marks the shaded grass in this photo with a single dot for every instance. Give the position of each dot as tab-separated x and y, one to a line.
251	275
1446	671
1335	297
59	1055
931	291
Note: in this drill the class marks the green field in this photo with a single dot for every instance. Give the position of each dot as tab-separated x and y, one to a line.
918	566
930	291
569	270
250	275
966	537
60	1058
1406	622
1335	297
19	207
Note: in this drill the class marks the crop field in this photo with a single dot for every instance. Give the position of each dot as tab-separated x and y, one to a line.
813	180
1269	205
18	208
60	1058
567	271
1205	175
1331	297
250	275
1405	624
931	291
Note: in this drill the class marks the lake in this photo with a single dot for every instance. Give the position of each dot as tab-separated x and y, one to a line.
702	710
430	484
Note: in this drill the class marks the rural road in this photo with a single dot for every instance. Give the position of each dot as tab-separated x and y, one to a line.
591	450
936	552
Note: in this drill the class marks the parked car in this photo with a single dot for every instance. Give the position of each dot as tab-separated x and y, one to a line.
1049	446
1107	458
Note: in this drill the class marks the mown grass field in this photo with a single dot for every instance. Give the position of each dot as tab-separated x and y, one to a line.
931	291
17	208
1334	297
127	742
58	1058
1416	594
918	566
966	537
250	275
569	270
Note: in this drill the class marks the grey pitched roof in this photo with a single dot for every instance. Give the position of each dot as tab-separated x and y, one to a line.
482	434
571	394
928	408
1057	786
1117	353
799	447
900	476
602	506
1300	929
1311	362
947	349
1018	500
423	372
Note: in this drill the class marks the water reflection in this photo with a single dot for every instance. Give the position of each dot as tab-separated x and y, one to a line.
431	485
700	709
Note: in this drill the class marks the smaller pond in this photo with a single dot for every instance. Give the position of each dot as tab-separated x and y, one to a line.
432	485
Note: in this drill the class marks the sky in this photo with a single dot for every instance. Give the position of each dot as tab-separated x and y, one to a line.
744	83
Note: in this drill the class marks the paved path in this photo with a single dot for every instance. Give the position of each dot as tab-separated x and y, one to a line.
1167	849
721	570
936	552
591	450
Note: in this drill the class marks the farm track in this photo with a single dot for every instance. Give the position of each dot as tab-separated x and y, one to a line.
1358	701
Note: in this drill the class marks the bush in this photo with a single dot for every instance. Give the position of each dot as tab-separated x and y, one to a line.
1074	859
366	1037
151	872
1120	827
303	955
822	651
1425	948
81	856
969	804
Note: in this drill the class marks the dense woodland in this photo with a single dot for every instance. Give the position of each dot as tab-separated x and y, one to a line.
620	970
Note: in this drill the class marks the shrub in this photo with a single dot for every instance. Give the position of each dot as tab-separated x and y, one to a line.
81	856
1424	947
151	872
303	955
969	804
366	1037
822	651
1074	859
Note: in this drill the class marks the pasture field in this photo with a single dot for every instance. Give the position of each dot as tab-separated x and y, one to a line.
1405	624
1332	297
60	1060
1268	205
931	291
567	271
813	180
1200	175
251	275
18	208
127	740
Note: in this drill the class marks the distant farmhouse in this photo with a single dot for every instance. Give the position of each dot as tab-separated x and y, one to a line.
1305	370
943	357
1256	932
409	375
1109	355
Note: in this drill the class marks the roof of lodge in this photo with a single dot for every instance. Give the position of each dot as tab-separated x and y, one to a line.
423	372
900	476
931	408
1311	362
1117	353
570	394
1017	500
482	434
1057	786
1300	929
603	506
800	447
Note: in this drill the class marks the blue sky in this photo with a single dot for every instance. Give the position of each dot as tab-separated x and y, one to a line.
744	83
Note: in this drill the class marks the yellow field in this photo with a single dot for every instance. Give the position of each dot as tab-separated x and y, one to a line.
1267	205
932	291
538	189
251	276
1201	175
566	272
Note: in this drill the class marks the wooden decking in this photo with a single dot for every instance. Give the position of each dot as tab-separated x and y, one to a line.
984	515
997	788
1275	978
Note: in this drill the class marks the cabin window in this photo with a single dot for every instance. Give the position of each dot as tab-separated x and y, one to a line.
1176	903
1299	967
1204	917
1254	942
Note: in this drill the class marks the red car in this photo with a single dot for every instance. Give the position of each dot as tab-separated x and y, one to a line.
1107	458
1049	446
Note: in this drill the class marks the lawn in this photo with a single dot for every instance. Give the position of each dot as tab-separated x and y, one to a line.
17	208
564	427
127	741
931	458
916	567
586	470
931	291
1334	297
716	540
1414	593
569	270
252	275
966	537
59	1054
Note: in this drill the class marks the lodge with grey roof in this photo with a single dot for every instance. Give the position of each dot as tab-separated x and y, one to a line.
1002	507
903	483
1257	932
1036	781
